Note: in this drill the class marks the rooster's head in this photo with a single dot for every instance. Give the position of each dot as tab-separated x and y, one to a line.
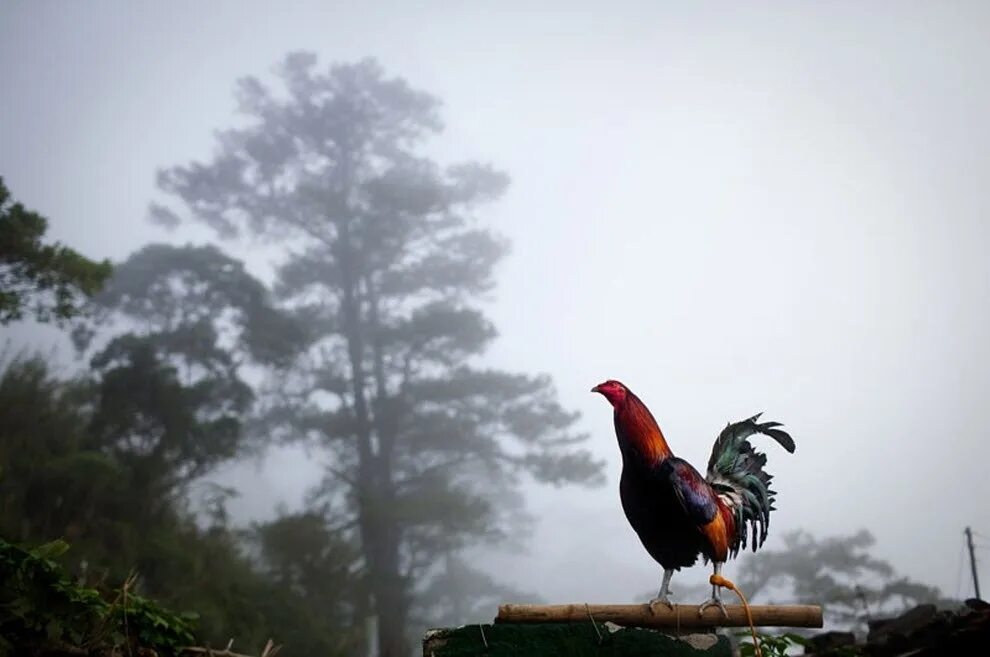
613	391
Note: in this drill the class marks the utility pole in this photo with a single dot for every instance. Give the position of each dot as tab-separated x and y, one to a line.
972	561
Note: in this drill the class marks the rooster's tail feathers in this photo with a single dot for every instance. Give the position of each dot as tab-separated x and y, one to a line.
735	471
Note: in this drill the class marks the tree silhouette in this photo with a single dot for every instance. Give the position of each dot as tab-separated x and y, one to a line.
383	263
172	332
109	460
50	279
837	572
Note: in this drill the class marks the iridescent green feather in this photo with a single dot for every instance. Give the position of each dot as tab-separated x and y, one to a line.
735	470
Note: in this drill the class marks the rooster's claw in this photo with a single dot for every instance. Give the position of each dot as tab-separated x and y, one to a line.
713	602
662	600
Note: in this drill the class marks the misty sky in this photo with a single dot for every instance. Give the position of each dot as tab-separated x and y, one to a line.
781	207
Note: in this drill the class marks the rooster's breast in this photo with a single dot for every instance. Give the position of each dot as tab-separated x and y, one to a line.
654	512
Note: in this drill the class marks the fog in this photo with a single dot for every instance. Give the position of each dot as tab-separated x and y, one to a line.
777	207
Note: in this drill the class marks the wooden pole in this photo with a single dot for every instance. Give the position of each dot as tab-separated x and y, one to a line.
682	616
972	562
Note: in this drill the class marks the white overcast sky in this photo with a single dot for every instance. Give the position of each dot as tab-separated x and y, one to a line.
777	207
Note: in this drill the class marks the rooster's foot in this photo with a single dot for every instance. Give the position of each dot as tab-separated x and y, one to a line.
661	600
715	601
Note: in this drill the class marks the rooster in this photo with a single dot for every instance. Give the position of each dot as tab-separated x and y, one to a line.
677	513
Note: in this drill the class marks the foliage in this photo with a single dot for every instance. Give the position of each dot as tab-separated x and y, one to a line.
770	645
383	262
196	304
58	480
171	335
42	608
47	279
317	569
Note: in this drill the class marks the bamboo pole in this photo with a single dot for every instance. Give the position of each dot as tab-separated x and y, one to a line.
681	616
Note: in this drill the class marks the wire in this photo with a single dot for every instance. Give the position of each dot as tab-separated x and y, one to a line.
959	570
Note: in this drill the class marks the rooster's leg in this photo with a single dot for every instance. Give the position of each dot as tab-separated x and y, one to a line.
662	597
716	599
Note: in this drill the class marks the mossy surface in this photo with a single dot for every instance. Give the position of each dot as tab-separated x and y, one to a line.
570	639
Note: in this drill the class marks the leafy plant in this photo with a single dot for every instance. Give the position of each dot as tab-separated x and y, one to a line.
42	609
770	645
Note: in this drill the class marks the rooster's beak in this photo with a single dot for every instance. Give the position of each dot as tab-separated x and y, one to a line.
597	388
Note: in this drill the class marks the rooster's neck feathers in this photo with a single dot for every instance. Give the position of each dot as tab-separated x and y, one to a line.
636	428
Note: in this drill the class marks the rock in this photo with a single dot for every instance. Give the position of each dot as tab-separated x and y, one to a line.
829	640
977	605
699	641
908	622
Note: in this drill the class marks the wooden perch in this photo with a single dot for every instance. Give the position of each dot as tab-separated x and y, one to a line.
682	616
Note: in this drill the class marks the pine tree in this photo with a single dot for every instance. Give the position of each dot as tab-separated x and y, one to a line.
384	263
